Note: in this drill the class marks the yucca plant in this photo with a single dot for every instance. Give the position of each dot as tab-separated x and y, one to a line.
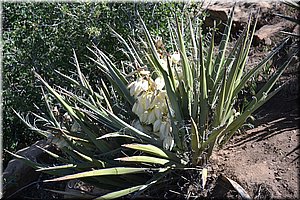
155	117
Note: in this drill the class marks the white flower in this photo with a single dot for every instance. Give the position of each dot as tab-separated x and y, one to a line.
138	108
144	117
159	99
162	130
157	125
144	85
151	117
158	112
164	64
132	87
145	100
175	58
138	86
168	142
159	83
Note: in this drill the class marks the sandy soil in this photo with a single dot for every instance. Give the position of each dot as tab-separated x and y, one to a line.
264	160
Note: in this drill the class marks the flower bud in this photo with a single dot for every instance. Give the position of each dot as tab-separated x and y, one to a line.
158	112
157	125
134	107
132	87
168	142
144	117
175	58
144	72
151	117
162	130
138	108
144	85
159	83
164	64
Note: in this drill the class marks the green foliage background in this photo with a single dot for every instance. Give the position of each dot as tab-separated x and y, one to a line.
43	36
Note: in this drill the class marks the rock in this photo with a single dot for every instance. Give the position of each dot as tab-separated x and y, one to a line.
220	11
17	174
296	30
265	32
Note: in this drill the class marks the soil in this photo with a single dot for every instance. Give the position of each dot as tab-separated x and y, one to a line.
264	160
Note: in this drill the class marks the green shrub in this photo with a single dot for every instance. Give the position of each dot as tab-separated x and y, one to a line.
43	36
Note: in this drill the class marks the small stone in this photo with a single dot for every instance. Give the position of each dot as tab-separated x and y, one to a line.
268	41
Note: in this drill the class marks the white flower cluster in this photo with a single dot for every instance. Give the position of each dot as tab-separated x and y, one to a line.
150	105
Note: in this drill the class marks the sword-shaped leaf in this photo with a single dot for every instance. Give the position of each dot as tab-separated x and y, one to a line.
32	164
144	159
120	193
58	97
151	149
116	134
195	141
58	167
101	172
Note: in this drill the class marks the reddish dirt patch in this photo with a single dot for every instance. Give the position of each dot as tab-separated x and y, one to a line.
264	160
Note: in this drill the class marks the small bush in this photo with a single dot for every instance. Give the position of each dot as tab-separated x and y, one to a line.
36	38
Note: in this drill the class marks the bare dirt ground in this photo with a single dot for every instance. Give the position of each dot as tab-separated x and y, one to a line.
264	160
